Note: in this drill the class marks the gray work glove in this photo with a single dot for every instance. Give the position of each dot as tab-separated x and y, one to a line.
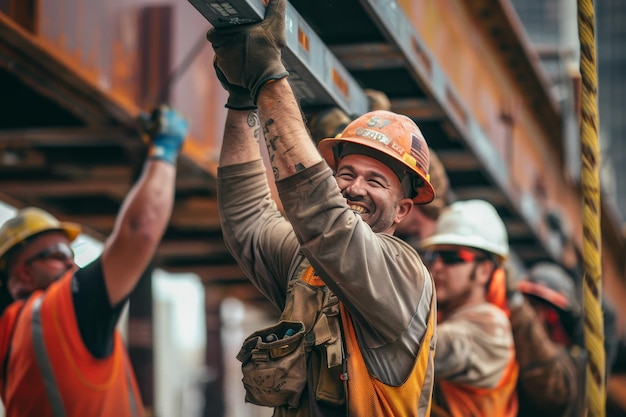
250	55
239	98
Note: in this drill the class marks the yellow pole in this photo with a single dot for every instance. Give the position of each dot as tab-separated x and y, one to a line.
590	183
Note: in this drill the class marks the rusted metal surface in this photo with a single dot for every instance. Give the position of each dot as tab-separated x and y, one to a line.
484	51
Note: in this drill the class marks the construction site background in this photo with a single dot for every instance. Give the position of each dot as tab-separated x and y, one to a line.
77	72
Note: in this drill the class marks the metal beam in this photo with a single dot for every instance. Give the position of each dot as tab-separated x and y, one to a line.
490	194
369	56
185	248
60	189
180	220
212	273
418	109
28	58
459	160
70	136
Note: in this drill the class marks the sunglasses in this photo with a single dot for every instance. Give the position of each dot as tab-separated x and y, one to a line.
60	251
452	256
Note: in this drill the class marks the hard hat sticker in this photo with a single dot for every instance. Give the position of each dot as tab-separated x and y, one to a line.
417	153
372	134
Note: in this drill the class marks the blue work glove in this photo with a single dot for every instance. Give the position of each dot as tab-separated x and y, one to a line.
250	55
166	130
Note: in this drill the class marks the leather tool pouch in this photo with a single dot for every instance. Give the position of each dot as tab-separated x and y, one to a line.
329	386
274	360
274	364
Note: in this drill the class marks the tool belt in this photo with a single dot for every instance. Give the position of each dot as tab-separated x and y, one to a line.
275	360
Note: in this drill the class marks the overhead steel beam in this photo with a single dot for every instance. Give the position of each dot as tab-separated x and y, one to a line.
459	160
25	56
369	56
56	188
186	248
316	75
180	219
70	136
490	194
419	110
212	273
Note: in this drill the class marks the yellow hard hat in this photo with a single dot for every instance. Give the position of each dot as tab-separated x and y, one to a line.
28	222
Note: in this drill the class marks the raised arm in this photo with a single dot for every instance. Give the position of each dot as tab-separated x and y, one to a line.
146	210
250	58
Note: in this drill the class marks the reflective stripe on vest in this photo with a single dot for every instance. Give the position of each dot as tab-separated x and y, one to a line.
47	374
43	362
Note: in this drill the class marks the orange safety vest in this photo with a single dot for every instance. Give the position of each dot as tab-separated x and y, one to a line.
369	397
460	400
50	372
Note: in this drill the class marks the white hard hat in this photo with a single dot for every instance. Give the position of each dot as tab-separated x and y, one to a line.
471	223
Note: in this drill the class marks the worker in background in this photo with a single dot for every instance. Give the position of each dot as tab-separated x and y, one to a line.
547	326
330	121
475	367
356	334
60	353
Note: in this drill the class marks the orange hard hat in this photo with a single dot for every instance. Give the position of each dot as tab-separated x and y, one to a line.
392	138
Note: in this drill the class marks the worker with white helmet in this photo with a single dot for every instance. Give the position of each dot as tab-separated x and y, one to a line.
356	334
475	366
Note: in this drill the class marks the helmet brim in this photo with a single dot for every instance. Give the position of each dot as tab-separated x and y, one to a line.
425	194
460	240
72	230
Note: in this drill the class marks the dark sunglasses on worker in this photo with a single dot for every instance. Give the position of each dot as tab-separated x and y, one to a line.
452	256
59	251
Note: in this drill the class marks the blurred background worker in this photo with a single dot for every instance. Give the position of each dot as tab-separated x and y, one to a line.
546	318
60	353
475	367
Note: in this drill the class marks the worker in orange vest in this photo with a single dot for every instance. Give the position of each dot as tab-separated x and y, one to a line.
475	366
356	333
60	354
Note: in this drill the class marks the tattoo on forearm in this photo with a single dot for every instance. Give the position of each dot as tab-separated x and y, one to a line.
266	127
254	122
270	142
272	148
